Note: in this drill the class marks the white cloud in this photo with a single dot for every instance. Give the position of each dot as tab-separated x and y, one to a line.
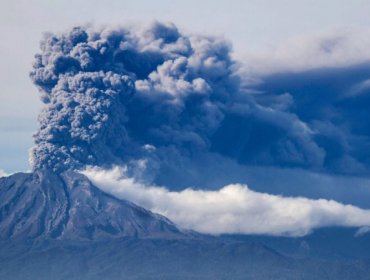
232	209
362	231
332	48
3	173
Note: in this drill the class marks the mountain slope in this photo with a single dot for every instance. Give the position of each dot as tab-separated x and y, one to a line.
67	206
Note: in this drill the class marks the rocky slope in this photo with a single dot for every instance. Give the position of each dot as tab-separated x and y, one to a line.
67	206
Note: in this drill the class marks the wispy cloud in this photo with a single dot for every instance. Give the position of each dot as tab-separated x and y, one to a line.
338	47
234	208
3	173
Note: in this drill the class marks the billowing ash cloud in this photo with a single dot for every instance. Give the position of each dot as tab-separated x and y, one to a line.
112	94
232	209
116	95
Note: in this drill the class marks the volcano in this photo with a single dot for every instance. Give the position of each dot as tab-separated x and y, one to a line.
67	206
61	226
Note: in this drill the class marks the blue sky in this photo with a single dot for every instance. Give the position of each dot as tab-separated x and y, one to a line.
251	26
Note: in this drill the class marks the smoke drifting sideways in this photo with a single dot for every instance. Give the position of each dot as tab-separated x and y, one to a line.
117	96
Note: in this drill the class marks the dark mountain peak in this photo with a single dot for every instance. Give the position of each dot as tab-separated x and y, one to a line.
44	204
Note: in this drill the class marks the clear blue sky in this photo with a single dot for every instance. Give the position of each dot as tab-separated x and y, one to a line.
249	25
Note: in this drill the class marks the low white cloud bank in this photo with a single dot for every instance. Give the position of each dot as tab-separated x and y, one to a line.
232	209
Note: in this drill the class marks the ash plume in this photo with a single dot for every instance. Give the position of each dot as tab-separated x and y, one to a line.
118	96
111	94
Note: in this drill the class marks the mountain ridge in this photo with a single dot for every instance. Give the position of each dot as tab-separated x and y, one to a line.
44	204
